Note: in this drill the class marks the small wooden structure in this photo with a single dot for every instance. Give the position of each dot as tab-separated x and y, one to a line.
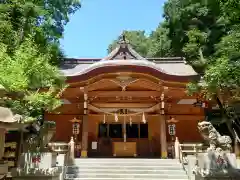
124	101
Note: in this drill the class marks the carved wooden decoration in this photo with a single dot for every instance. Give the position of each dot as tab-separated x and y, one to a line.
124	81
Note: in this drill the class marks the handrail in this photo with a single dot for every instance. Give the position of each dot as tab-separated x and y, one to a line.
196	148
69	157
181	152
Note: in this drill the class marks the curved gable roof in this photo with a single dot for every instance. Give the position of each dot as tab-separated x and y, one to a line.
125	58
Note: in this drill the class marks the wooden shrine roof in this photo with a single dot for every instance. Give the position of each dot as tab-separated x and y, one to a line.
125	55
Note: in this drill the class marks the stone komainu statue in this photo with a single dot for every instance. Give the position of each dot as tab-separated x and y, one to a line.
214	138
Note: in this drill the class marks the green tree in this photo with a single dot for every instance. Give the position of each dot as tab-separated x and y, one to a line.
202	19
43	20
29	52
159	43
24	74
214	50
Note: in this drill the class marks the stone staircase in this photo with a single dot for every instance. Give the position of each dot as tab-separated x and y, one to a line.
125	169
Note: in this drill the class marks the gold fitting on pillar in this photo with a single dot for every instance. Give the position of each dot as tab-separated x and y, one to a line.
164	154
84	153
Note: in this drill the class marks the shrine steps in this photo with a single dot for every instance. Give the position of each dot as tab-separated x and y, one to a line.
126	169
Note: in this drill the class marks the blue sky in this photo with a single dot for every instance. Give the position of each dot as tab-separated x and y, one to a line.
99	22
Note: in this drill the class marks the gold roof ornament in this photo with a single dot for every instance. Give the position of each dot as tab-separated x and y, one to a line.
172	120
75	120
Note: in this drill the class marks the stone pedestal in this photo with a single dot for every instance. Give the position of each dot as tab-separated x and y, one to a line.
36	177
3	169
216	166
45	169
61	159
47	160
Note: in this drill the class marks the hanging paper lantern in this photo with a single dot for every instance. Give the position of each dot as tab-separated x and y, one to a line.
144	119
116	118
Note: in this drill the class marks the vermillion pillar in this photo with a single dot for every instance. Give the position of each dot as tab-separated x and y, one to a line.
84	151
163	137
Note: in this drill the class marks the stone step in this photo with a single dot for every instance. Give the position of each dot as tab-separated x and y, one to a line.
124	179
123	159
127	167
129	171
126	175
120	163
127	162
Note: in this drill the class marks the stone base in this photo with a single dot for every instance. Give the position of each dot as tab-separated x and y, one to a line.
61	159
216	166
36	178
47	160
36	174
216	178
3	169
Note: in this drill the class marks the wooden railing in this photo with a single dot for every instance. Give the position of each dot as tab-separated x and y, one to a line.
182	150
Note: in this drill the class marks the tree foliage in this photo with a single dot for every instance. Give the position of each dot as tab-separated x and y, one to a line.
157	44
23	74
207	33
43	20
29	52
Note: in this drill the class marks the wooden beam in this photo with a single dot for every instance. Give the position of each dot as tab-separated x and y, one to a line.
123	105
103	83
147	84
180	117
124	93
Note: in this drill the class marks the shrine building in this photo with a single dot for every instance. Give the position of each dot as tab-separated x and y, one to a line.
126	105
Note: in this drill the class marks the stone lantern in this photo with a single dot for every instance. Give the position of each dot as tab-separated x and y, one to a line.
7	122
